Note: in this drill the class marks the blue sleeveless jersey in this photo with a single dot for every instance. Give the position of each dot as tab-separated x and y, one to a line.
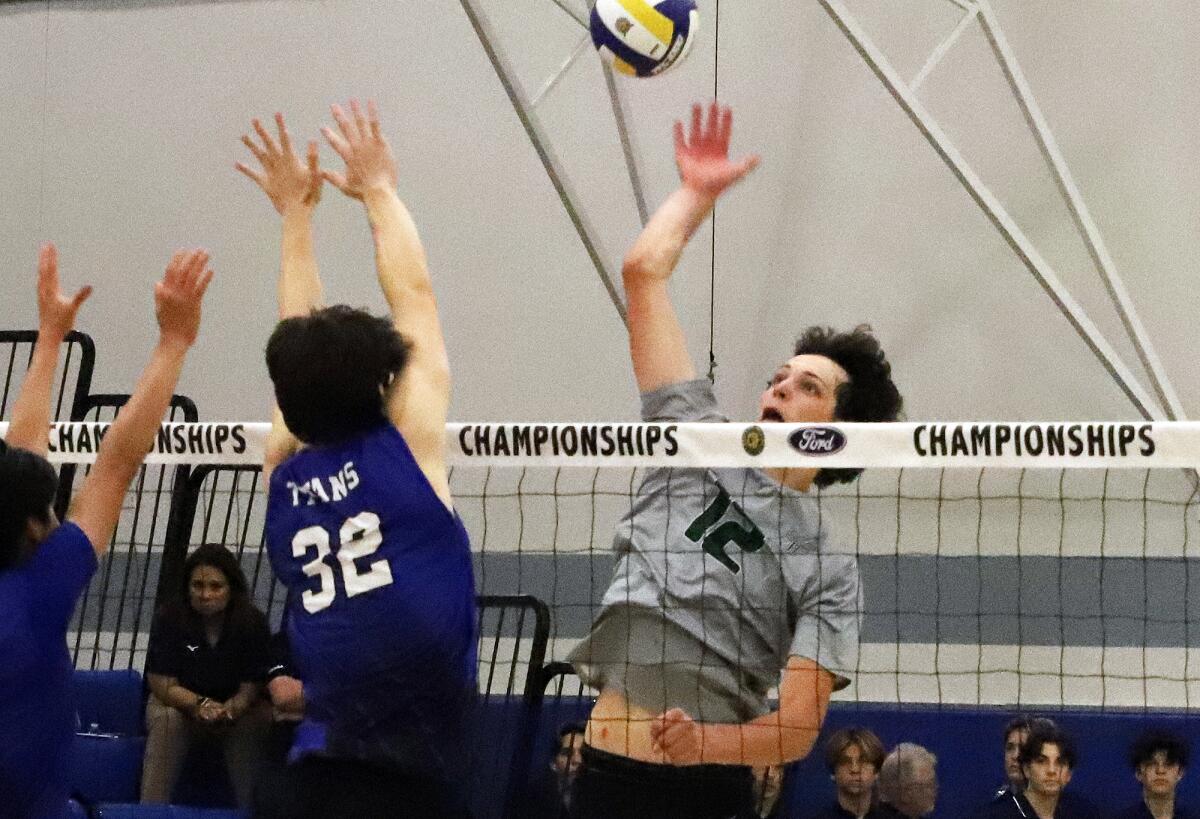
381	604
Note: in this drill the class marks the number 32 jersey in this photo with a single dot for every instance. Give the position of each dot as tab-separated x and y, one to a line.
381	604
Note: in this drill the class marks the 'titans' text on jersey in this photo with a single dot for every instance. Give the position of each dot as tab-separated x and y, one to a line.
313	490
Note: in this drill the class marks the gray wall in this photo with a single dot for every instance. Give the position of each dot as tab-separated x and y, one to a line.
122	121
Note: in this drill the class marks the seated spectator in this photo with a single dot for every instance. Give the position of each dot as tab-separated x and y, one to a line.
1047	760
1158	759
854	757
1015	734
559	776
908	782
768	784
208	651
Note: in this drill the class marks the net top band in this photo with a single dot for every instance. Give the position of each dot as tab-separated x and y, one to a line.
974	444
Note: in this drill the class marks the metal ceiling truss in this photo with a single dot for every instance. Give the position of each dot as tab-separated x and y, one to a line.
980	11
526	110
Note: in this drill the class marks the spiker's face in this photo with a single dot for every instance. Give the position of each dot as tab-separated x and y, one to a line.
803	390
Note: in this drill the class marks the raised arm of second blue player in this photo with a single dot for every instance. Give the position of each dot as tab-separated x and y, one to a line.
30	424
177	300
656	341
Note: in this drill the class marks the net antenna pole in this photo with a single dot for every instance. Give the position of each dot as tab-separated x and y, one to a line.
550	161
1079	212
994	210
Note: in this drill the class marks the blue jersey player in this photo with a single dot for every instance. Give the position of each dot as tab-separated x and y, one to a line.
360	525
45	565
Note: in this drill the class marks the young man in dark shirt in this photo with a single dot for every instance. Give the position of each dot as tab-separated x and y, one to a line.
1015	734
854	757
1159	760
1047	760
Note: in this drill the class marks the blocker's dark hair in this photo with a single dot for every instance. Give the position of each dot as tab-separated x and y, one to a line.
330	369
28	484
869	395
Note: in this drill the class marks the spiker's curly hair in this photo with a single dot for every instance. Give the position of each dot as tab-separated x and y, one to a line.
869	395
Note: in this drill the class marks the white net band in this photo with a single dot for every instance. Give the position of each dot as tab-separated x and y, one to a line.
1058	445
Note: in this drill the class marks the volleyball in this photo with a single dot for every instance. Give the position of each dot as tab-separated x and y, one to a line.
643	38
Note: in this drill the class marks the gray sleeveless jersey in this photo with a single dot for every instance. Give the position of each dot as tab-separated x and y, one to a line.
722	574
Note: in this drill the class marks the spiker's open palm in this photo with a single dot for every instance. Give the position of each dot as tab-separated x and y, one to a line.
703	157
178	296
56	312
287	180
360	143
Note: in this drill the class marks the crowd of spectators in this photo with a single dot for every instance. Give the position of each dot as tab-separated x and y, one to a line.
1039	758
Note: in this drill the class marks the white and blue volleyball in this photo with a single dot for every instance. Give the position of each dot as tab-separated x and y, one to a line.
643	38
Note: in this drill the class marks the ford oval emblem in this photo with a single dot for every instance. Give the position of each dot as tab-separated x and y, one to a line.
817	440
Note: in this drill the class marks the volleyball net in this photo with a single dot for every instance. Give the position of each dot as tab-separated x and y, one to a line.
1041	565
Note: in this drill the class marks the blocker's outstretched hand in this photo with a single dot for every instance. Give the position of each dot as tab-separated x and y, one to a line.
288	181
361	144
703	156
56	311
178	296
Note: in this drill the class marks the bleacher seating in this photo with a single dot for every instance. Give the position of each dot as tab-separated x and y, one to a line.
106	759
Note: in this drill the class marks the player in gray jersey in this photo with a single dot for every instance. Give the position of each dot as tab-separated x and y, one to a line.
726	584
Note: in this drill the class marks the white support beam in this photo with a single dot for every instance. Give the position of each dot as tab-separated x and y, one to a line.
1079	212
572	13
541	144
942	48
994	210
579	50
631	167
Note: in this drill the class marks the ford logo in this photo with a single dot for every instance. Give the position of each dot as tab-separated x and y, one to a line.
817	440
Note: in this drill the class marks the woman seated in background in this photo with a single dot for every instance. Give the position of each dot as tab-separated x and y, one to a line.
206	663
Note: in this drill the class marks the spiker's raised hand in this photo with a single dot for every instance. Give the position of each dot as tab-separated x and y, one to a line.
703	156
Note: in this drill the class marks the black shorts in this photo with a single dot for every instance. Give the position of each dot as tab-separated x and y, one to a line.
320	787
616	787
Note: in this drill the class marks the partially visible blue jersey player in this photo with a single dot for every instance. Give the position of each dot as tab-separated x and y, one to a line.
360	524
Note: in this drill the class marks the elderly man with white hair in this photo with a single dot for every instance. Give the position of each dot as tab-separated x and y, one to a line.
908	782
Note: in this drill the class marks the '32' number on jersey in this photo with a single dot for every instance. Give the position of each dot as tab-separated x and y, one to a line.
358	538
